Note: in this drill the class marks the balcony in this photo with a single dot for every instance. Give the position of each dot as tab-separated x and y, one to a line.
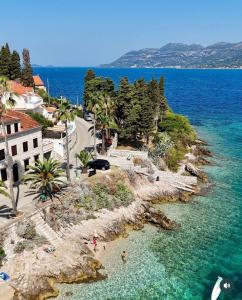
33	101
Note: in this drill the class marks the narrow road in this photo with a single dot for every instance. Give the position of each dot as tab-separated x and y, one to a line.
84	139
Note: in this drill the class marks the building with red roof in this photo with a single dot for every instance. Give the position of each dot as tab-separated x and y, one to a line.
38	83
24	140
25	98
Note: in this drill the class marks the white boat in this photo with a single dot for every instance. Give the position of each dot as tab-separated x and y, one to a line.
216	289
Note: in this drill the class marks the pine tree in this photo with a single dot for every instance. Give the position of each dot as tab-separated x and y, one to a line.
27	72
108	87
15	67
163	102
5	56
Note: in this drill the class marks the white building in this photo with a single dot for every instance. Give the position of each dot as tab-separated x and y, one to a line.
49	113
25	143
25	98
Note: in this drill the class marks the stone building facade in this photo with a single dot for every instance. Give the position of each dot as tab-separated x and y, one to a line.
25	144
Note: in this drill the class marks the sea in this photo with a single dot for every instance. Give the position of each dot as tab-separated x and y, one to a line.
181	264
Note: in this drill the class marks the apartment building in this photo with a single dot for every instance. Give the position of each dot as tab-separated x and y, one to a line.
25	143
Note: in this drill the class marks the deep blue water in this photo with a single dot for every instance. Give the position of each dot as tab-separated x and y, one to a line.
183	264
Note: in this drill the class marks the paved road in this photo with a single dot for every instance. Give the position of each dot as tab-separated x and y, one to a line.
84	139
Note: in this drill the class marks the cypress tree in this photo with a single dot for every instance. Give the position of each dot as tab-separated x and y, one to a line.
147	112
27	72
155	96
163	102
127	109
161	86
5	56
123	100
90	75
15	67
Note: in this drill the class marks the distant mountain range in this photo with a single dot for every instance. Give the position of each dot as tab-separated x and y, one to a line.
178	55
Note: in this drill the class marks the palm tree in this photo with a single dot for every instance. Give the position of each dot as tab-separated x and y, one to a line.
84	158
3	189
105	123
106	107
65	114
102	107
6	94
92	106
45	176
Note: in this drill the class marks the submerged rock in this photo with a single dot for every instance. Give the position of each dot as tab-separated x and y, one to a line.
201	151
158	218
194	171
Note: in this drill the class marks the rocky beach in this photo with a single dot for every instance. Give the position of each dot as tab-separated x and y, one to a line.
35	272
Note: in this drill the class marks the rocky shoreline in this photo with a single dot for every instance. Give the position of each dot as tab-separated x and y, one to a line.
34	273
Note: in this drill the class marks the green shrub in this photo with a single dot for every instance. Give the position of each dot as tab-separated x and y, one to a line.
86	202
123	194
41	119
2	255
26	230
102	199
79	113
178	127
173	157
23	245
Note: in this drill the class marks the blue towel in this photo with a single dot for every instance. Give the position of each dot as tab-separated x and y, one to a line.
4	276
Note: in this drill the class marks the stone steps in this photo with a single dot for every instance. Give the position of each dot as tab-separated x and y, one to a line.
45	230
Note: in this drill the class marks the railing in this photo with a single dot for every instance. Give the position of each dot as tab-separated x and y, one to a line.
47	145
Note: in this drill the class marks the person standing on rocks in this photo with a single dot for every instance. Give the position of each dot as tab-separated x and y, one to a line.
124	256
94	242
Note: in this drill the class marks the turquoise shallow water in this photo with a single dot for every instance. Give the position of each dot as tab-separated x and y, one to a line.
184	264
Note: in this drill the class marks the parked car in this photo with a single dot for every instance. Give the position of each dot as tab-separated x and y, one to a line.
87	117
99	164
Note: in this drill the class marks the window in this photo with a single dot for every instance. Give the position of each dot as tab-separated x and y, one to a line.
25	146
36	158
35	143
16	127
9	129
4	175
2	154
26	164
14	150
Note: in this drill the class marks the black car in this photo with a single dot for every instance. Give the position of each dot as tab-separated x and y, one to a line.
99	164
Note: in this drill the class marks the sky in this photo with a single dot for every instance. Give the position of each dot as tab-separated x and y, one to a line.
92	32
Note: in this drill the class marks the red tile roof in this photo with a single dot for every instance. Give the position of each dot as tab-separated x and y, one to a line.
18	88
25	120
37	80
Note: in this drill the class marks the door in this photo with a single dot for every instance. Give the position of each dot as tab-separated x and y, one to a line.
15	173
